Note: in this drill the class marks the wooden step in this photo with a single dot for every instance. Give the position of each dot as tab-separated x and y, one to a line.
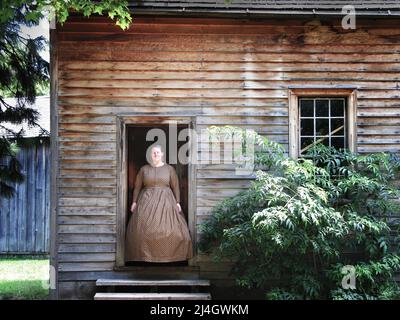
140	282
158	272
152	296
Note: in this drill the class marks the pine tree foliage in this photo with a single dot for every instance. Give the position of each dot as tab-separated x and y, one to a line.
23	71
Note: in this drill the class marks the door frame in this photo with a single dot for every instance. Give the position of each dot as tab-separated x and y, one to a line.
122	175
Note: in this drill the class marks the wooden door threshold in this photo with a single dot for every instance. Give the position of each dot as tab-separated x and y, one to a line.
165	269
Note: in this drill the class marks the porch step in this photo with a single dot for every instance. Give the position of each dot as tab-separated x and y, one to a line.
158	272
152	296
152	289
153	283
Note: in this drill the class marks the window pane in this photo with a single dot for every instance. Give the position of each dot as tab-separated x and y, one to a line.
307	127
306	108
322	127
319	118
322	108
338	143
335	124
306	142
323	140
337	108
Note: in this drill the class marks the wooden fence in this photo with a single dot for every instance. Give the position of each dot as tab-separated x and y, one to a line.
24	219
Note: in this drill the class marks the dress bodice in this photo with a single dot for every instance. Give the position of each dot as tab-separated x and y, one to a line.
149	176
156	176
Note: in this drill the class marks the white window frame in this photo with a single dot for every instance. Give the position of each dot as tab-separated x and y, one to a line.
294	118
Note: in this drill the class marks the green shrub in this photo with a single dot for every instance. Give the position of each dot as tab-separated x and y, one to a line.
291	232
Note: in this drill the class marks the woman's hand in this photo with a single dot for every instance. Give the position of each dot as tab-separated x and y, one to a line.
179	207
133	207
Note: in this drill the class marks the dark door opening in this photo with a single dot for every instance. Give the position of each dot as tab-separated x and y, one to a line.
137	146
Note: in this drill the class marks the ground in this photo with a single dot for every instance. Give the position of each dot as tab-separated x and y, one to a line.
24	277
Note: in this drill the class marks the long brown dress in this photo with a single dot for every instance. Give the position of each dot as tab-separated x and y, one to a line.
157	231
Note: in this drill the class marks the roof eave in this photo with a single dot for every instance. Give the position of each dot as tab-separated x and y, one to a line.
256	13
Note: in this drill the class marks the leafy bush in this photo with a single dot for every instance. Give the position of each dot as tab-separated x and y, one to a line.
292	231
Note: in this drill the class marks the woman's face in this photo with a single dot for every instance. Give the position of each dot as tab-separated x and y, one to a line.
156	155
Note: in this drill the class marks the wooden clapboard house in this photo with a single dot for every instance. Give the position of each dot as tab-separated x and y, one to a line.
287	69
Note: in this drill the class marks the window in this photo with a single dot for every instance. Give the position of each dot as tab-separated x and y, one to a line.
322	120
324	116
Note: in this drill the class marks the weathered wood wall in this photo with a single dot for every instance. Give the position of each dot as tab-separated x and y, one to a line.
24	219
224	71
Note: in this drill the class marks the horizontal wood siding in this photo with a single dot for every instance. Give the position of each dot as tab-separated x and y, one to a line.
24	218
224	71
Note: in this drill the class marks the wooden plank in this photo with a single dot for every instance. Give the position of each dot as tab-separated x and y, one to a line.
122	194
382	103
91	104
243	83
81	192
86	201
127	282
251	57
237	75
196	27
390	68
85	136
378	140
243	120
86	257
131	273
157	93
379	148
87	229
92	164
88	173
289	21
40	209
87	127
86	248
216	193
377	121
47	221
86	219
152	296
53	240
243	107
378	130
216	43
4	225
31	198
21	209
102	146
91	154
86	238
86	210
308	34
87	118
85	266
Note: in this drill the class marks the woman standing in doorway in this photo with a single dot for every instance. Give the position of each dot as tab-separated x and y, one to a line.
157	230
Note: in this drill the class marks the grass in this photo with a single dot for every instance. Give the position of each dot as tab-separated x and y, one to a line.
24	277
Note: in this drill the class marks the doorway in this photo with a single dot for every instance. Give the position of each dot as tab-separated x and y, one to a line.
137	145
